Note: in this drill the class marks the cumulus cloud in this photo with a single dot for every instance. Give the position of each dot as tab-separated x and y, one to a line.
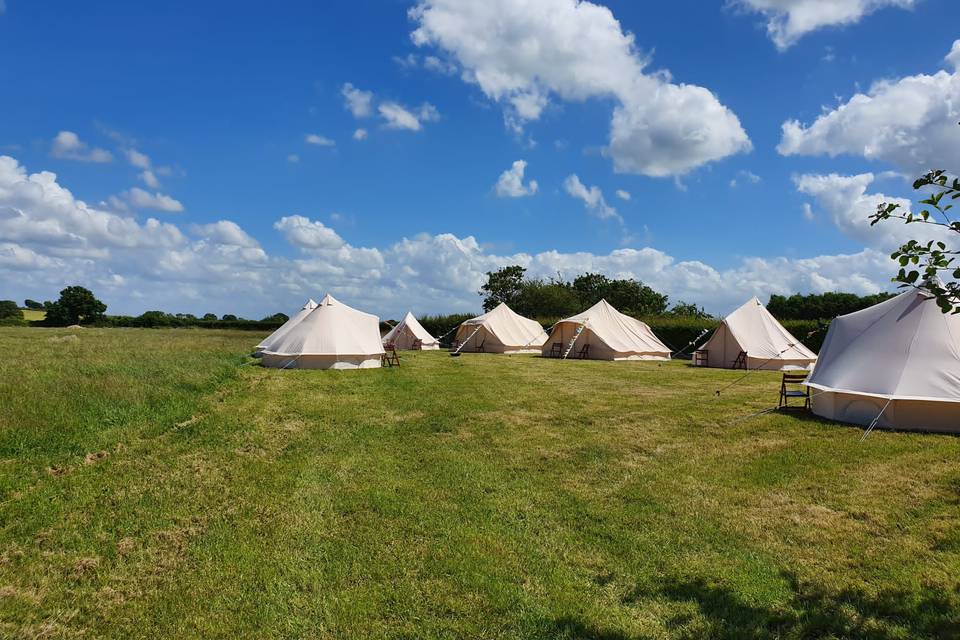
576	50
396	116
67	145
790	20
623	194
910	123
510	184
358	102
138	159
360	134
150	179
744	176
50	239
318	140
844	199
140	199
592	199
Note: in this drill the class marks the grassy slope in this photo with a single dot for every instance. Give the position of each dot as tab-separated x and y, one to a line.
150	487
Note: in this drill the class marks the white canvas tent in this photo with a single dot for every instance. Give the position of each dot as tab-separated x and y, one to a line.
753	330
899	360
609	334
332	336
410	334
286	326
501	331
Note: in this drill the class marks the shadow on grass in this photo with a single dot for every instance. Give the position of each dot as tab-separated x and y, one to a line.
813	612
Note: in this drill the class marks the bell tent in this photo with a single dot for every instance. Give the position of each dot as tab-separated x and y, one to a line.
751	338
332	336
410	334
286	326
603	333
897	362
501	331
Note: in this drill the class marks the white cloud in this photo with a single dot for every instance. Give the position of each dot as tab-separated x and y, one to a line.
844	199
67	145
910	123
789	20
140	199
51	239
138	159
293	158
576	50
150	179
359	103
745	176
320	141
433	63
397	116
592	198
360	134
623	194
510	184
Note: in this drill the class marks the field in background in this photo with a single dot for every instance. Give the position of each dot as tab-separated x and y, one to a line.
34	314
152	484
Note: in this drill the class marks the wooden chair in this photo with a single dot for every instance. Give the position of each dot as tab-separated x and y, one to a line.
417	344
788	389
741	361
479	348
556	350
701	358
390	357
584	352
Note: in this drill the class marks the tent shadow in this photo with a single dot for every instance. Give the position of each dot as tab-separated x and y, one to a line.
814	612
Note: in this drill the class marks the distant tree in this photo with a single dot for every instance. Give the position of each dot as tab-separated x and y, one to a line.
629	296
546	299
503	285
154	319
820	306
688	310
10	313
32	304
277	317
229	317
76	305
209	317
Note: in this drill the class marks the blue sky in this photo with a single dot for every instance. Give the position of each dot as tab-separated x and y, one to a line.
197	117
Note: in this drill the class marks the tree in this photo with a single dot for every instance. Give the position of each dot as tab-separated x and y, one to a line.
32	304
936	257
229	317
209	317
10	313
688	310
503	285
546	299
277	317
821	306
629	296
76	305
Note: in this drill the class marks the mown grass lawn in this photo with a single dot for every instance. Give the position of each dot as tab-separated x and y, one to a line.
154	484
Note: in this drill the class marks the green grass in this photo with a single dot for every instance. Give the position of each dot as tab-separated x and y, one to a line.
151	485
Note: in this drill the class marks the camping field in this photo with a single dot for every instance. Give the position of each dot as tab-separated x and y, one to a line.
158	483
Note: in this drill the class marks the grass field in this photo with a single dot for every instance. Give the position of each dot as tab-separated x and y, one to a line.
34	314
153	484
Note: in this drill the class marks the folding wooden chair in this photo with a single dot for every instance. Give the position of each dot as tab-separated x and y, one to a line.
788	389
556	350
701	358
390	357
584	352
741	361
479	348
418	344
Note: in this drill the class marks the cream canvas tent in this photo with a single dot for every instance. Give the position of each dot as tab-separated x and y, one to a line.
332	336
898	360
286	326
607	334
410	334
501	331
751	329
